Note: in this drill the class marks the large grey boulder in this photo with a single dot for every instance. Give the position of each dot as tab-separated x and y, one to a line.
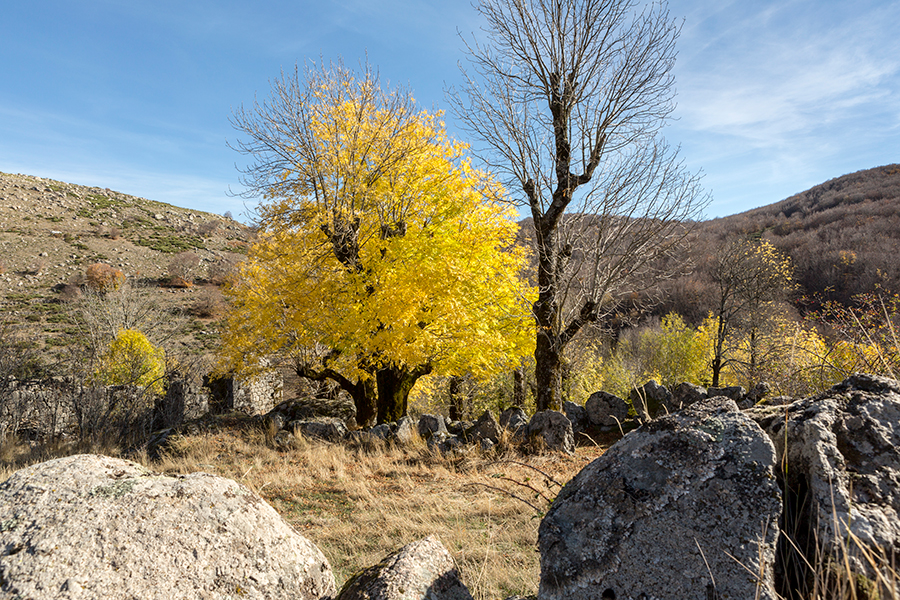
328	429
420	570
606	410
842	465
552	430
686	393
91	526
430	425
690	489
735	392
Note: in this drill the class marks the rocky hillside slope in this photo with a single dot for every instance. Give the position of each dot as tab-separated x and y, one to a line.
51	231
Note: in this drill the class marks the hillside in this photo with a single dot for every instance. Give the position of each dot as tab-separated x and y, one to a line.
843	237
51	231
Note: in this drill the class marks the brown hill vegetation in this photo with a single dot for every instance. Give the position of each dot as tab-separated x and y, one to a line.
843	237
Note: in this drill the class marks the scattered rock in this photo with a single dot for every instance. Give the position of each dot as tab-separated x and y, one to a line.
651	400
553	430
690	489
430	425
577	416
420	570
405	430
513	418
606	410
485	428
98	527
735	392
686	393
330	430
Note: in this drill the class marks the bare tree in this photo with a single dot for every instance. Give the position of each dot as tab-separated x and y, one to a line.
749	275
569	97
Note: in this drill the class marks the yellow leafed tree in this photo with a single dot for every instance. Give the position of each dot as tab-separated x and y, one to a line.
383	255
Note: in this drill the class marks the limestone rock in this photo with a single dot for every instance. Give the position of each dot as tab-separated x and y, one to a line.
420	570
843	460
634	521
91	526
606	410
553	429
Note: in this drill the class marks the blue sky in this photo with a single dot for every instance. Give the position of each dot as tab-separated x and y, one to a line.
773	96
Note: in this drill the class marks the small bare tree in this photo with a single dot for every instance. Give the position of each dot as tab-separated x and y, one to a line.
569	97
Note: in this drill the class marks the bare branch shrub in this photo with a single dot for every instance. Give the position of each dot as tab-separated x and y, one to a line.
183	269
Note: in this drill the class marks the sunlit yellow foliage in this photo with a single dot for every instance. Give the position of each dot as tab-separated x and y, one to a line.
429	273
132	360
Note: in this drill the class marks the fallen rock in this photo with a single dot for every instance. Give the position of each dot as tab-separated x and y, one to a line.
577	416
686	393
97	527
553	430
735	392
513	418
430	425
420	570
328	429
606	410
485	428
841	467
685	500
651	400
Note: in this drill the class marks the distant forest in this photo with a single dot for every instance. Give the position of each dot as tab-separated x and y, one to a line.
843	238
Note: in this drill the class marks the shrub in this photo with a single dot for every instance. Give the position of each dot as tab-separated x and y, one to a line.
132	360
103	277
183	268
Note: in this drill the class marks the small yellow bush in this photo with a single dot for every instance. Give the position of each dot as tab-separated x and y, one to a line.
132	360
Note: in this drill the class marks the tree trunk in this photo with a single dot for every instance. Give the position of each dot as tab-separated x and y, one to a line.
519	387
458	404
394	385
365	399
548	374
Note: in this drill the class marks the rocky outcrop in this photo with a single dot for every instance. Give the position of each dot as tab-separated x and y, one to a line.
90	526
420	570
840	453
684	507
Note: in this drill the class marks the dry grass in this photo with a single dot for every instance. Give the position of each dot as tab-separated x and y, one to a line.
360	504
